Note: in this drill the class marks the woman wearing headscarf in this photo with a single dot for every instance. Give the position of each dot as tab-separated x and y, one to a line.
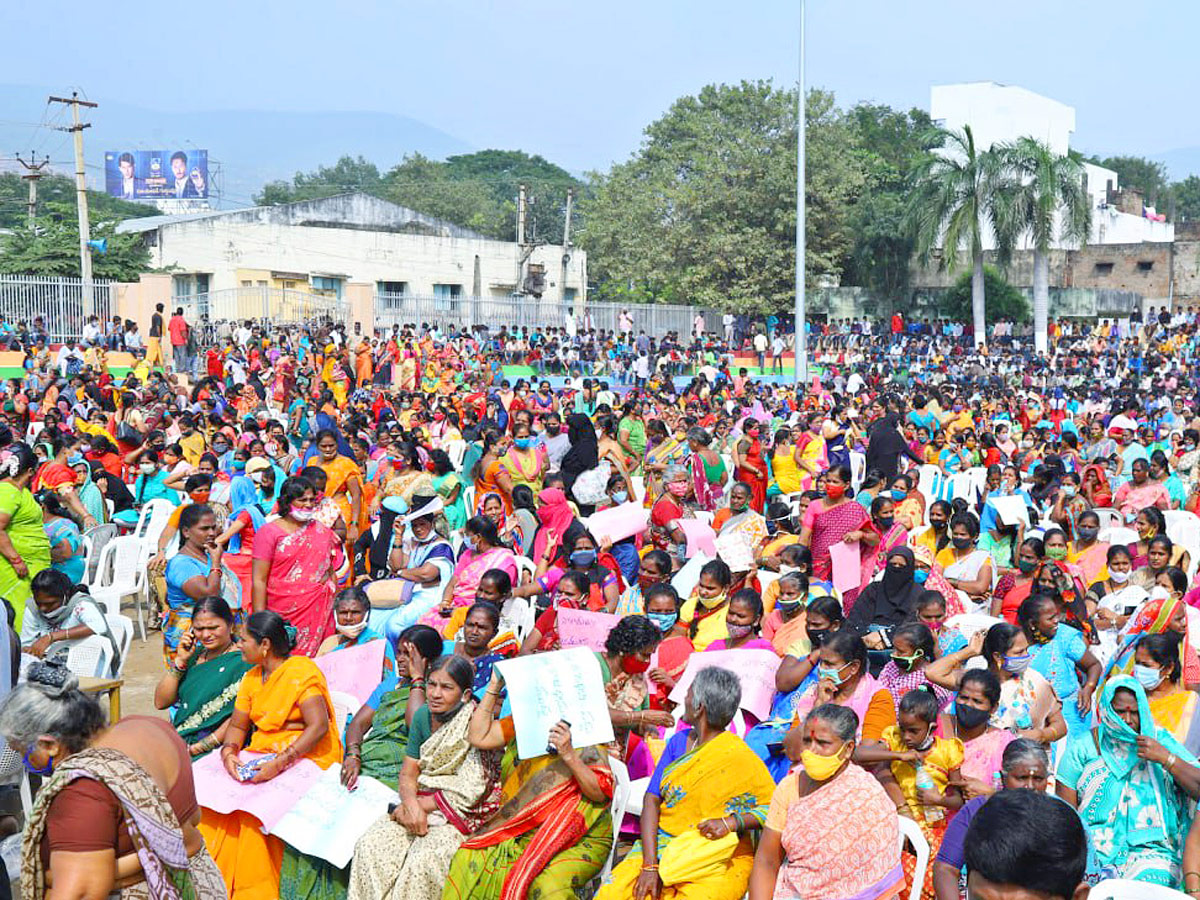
555	516
244	521
886	603
1161	615
1131	782
582	456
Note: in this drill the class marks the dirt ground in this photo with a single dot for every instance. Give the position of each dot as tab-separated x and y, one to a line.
143	669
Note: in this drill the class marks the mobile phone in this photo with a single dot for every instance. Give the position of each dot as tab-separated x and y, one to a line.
550	748
392	807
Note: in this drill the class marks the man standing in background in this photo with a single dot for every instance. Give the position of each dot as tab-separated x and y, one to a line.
178	328
154	354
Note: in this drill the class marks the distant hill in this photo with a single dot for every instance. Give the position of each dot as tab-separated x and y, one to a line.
253	147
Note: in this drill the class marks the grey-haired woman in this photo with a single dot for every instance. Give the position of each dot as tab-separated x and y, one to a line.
114	797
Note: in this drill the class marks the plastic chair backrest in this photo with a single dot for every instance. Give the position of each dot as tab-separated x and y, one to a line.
858	469
639	487
619	799
97	539
526	617
456	450
969	623
1126	889
89	657
1118	535
1109	518
153	520
127	560
525	564
122	629
910	831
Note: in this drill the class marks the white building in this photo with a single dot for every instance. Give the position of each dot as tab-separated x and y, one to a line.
344	248
999	113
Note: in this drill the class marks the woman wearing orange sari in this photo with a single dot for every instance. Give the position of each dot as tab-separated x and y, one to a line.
364	368
284	700
491	473
344	485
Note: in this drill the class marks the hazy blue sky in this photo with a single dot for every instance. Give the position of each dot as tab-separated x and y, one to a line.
578	81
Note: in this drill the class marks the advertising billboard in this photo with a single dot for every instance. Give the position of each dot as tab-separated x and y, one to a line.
156	174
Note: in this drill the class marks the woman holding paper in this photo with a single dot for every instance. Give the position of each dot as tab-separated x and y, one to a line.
554	829
448	789
707	793
285	700
833	519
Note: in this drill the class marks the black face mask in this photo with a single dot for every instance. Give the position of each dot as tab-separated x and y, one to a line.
970	717
816	636
961	543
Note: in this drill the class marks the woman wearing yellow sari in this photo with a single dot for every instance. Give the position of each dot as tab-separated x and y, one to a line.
695	817
334	376
344	483
553	831
1158	669
429	381
811	454
285	700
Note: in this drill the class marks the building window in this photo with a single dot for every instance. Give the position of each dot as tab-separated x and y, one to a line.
391	287
329	287
1104	268
1145	265
446	297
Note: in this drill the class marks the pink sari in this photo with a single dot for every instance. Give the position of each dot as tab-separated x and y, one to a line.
298	586
982	756
828	527
704	493
874	563
468	572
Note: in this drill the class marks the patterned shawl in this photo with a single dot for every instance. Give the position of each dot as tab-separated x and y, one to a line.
464	782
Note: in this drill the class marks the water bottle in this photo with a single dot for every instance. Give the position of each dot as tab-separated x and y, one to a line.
933	814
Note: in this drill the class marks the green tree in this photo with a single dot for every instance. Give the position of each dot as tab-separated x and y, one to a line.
346	175
1187	198
52	248
893	145
1141	174
952	204
57	192
705	212
1003	300
1047	203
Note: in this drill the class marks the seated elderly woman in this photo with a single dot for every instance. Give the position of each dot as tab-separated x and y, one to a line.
696	819
1131	782
351	609
117	813
831	831
203	677
61	616
448	789
553	831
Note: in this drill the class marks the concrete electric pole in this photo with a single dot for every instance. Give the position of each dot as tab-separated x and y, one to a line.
33	171
85	255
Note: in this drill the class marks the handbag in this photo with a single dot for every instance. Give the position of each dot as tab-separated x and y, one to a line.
592	486
127	434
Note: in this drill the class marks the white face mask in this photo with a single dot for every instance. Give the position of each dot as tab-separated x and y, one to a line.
302	515
256	477
1158	592
146	468
352	631
1118	577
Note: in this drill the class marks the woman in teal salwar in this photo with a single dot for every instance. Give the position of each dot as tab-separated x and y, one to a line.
1131	782
376	740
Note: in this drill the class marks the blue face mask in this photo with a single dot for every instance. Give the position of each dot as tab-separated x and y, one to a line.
74	459
664	621
898	495
583	558
920	575
47	769
523	443
620	496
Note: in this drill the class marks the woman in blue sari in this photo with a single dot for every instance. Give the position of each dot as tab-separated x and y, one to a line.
1130	780
1059	652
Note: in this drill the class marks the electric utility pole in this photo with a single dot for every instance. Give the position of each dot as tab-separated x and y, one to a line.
33	171
85	255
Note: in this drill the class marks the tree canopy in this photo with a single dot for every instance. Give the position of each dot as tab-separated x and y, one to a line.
474	190
1140	174
1003	300
56	196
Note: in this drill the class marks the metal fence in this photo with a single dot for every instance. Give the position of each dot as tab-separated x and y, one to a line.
61	302
519	311
264	304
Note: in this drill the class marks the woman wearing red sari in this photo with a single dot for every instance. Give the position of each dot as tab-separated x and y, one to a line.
295	559
751	467
1095	487
829	521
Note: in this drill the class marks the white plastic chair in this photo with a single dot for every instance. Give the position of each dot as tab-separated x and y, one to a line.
1125	889
456	450
122	571
637	796
1179	517
525	565
526	617
858	469
619	800
344	708
968	624
639	487
1118	535
152	520
910	831
122	629
1109	517
94	541
88	658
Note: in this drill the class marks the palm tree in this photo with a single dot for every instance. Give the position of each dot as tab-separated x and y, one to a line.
1048	205
953	204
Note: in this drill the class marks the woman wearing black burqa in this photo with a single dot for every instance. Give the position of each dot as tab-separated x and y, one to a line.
584	454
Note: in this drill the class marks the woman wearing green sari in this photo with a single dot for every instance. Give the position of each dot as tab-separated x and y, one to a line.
1130	780
202	678
24	547
376	741
553	831
449	487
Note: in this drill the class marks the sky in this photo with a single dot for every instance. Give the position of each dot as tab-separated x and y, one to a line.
577	82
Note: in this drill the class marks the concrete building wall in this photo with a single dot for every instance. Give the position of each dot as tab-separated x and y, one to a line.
1002	112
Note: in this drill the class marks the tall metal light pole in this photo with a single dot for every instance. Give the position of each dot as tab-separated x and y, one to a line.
801	341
